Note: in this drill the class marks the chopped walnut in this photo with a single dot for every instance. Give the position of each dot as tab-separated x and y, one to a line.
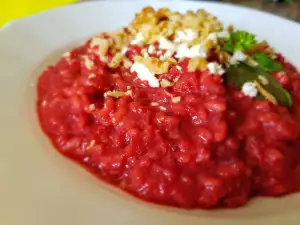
165	83
197	64
155	65
117	94
116	60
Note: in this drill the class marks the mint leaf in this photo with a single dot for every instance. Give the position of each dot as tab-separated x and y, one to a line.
267	64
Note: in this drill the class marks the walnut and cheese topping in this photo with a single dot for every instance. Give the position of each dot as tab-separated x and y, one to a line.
145	74
151	49
102	45
187	35
184	51
155	65
166	44
139	38
197	64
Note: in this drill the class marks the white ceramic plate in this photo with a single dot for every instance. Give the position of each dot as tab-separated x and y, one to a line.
40	187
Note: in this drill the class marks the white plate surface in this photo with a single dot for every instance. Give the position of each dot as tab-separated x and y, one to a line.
40	187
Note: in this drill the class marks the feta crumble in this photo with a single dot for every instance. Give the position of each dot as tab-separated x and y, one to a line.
145	54
249	89
124	50
138	39
185	35
237	57
166	44
215	68
151	49
183	51
144	73
223	34
213	37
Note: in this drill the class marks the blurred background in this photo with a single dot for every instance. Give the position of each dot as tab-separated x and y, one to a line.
14	9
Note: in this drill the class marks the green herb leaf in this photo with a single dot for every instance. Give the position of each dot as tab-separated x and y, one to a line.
239	40
267	64
242	73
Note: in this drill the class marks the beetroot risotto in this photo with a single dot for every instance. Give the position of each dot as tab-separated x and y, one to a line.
177	110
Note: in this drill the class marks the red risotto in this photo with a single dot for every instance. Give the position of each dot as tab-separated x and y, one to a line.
177	110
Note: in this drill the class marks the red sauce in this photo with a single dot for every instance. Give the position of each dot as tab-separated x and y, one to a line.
215	148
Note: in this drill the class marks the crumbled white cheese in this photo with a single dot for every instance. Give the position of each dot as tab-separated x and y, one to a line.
151	49
238	56
249	89
215	68
144	73
199	51
145	54
168	54
124	50
185	35
166	44
223	34
213	37
138	39
183	51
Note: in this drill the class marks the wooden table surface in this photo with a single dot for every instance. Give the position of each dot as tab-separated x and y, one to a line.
290	11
